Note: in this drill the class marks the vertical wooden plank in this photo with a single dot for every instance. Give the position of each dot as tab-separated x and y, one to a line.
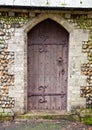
51	77
36	80
30	77
47	75
59	73
41	73
54	87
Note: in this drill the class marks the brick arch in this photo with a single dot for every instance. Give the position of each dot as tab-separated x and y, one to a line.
57	18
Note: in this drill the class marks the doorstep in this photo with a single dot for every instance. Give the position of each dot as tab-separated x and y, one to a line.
50	115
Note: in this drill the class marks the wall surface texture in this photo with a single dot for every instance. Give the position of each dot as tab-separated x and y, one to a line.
13	57
55	3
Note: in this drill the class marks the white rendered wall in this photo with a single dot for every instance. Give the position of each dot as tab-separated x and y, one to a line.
55	3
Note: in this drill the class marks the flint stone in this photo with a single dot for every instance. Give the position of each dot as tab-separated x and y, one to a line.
2	33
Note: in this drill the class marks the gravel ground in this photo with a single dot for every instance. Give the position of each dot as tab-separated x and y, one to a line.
44	125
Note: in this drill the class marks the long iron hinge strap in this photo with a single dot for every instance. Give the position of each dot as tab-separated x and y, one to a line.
47	94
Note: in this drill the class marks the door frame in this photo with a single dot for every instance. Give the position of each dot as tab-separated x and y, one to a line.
63	52
69	28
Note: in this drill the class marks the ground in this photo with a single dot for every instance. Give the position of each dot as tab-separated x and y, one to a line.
40	124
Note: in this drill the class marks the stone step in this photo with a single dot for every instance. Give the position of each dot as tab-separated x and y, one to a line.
45	115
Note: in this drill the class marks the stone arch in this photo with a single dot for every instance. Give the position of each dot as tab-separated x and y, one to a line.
57	18
32	23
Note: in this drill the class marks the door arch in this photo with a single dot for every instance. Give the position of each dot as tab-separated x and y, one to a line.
47	66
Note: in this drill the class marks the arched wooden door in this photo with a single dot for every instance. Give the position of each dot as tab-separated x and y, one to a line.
47	66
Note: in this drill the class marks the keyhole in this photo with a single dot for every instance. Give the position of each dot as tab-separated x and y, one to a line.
60	61
63	71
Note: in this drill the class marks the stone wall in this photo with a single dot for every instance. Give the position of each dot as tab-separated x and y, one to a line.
13	59
84	21
8	25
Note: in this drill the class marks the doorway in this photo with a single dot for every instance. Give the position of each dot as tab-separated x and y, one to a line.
47	66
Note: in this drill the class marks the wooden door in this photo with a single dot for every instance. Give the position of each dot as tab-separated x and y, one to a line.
47	66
